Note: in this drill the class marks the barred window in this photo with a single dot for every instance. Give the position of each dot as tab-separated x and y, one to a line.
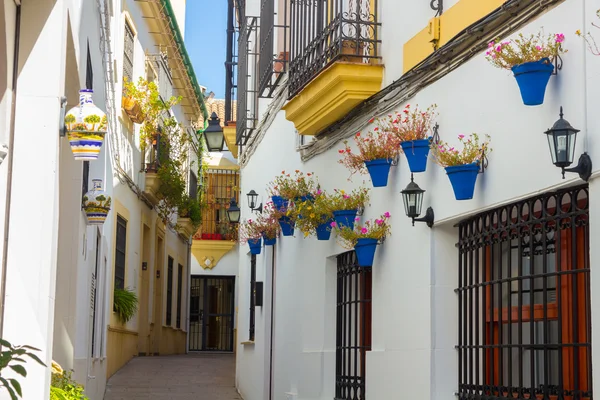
128	52
218	188
169	291
120	252
524	300
179	294
353	333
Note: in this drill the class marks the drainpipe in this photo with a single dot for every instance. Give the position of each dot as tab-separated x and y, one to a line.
11	141
272	323
187	309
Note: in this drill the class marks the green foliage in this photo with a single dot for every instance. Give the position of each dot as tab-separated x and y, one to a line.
13	357
190	208
63	387
126	304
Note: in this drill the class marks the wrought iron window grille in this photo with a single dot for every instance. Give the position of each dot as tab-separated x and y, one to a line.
524	323
218	187
247	99
128	49
274	46
353	327
325	31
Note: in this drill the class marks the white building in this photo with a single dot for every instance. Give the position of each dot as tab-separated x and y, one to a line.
426	327
58	274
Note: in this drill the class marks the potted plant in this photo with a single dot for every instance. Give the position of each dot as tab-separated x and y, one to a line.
413	128
344	206
268	224
364	238
376	152
315	217
286	187
530	59
190	216
125	304
86	126
250	232
132	101
462	167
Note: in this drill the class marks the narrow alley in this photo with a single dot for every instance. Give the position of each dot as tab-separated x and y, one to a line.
185	377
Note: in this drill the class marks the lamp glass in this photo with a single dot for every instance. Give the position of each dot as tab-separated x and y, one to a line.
413	201
562	147
233	215
214	140
252	197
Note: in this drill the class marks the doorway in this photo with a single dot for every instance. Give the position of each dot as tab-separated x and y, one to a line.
157	320
211	313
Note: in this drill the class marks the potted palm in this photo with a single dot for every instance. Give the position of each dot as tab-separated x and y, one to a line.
462	167
314	217
376	152
345	207
125	304
250	232
364	238
413	128
530	60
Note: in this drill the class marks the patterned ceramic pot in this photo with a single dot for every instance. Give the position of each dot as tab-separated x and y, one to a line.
96	204
86	127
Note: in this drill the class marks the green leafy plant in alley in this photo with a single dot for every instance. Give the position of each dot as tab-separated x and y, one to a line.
125	303
63	387
14	357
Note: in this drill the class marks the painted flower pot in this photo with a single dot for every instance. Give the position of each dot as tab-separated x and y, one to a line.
416	152
96	204
279	202
86	127
532	78
365	251
255	245
269	242
303	199
463	178
379	170
287	226
345	218
324	231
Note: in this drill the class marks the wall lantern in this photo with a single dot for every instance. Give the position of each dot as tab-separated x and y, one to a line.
233	212
413	201
213	134
252	200
561	139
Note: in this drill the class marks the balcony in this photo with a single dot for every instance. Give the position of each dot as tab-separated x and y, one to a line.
335	67
150	167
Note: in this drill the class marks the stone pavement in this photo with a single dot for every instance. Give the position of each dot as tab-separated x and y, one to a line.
186	377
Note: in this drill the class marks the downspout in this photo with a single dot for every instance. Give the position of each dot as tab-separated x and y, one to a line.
272	324
229	64
11	141
187	309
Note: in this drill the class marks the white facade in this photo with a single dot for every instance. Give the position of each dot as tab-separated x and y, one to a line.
415	272
54	260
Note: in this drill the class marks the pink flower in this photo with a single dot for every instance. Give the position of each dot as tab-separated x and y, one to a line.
319	192
539	48
333	224
461	136
498	48
387	214
491	44
487	53
346	196
560	38
364	230
379	222
357	219
341	151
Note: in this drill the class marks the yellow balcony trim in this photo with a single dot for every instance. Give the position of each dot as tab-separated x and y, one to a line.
209	252
332	94
230	135
442	29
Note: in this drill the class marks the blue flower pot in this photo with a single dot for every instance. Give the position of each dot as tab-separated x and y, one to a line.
324	231
532	78
279	202
255	245
463	178
302	199
365	252
416	152
287	226
345	218
269	242
379	171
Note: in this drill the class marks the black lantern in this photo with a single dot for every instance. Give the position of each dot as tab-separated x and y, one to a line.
413	201
252	200
213	134
233	212
561	140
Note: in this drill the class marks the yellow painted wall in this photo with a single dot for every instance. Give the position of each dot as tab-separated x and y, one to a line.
121	346
172	341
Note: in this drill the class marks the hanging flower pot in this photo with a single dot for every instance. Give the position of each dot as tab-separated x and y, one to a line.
532	78
287	226
365	251
324	231
379	171
345	218
416	152
279	202
86	127
96	204
255	245
269	242
463	178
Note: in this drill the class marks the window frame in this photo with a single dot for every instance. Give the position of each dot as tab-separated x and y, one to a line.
119	270
252	316
179	295
169	307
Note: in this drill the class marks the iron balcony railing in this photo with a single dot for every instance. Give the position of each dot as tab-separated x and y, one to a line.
247	101
219	186
325	31
273	46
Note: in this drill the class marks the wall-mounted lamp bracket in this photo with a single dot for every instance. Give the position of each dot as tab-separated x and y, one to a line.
62	129
583	168
428	218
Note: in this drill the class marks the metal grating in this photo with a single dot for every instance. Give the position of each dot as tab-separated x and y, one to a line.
128	53
524	300
247	101
274	45
219	186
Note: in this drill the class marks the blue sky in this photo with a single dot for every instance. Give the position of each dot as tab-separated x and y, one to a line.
205	40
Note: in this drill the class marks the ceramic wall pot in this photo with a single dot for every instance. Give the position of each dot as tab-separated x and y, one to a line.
86	126
96	204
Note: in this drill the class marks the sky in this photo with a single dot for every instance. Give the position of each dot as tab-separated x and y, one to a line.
205	39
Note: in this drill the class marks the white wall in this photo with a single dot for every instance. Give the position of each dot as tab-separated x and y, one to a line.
415	272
